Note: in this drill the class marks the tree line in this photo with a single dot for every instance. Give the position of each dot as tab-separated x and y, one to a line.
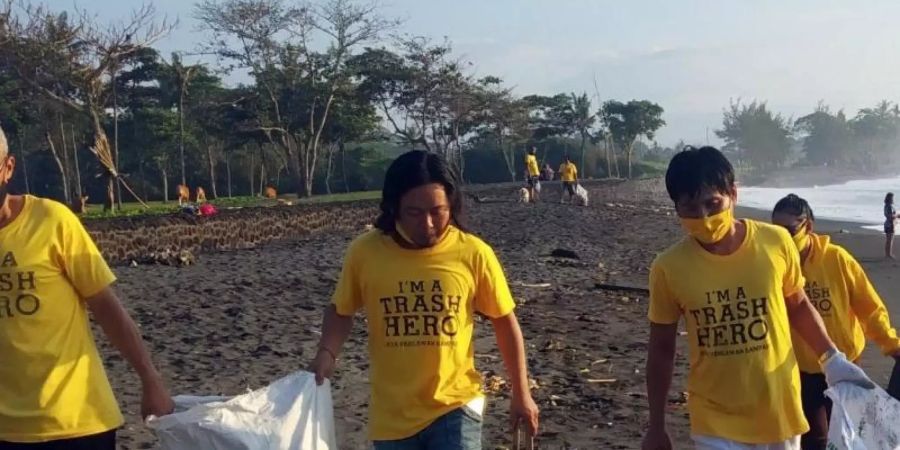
763	140
330	93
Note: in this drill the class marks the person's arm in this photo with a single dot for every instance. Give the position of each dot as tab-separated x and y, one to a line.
808	323
512	349
660	365
123	334
335	331
869	308
805	320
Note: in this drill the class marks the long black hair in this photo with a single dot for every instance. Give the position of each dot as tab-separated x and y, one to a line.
889	198
414	169
794	205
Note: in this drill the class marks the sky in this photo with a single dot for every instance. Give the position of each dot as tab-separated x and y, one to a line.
691	57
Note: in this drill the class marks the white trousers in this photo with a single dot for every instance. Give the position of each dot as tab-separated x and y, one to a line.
714	443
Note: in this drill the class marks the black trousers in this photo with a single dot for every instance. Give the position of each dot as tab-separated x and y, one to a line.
102	441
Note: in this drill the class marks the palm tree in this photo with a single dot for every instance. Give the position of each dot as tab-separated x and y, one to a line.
582	121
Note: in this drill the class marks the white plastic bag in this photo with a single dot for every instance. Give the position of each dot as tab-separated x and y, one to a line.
581	196
863	419
291	413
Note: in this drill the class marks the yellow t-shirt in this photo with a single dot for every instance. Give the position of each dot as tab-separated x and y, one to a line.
52	382
848	303
531	162
421	306
568	172
743	383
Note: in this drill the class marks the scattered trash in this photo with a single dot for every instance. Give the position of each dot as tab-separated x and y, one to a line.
601	380
563	253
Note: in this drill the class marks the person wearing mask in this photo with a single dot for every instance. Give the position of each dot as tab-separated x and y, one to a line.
421	277
851	310
54	393
739	287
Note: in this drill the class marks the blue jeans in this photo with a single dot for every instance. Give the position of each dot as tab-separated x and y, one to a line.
459	429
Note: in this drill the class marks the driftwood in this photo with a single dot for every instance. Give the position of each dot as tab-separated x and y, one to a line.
618	287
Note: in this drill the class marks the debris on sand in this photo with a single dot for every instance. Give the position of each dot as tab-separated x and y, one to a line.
563	253
174	258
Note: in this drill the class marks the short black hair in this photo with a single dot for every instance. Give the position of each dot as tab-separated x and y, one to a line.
411	170
794	205
692	169
888	198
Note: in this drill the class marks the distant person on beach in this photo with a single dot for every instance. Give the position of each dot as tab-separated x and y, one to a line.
890	217
54	393
568	174
848	303
548	173
421	278
739	286
533	174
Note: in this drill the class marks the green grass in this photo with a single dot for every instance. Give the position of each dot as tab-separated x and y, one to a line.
131	209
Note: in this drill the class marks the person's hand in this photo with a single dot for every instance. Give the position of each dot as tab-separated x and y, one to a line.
155	400
657	438
323	365
523	409
838	369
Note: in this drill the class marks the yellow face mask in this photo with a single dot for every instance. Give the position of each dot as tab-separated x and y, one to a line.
408	239
711	229
801	237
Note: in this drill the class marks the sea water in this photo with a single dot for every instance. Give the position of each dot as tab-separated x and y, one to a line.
859	201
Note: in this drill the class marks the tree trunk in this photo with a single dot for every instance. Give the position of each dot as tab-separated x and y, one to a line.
252	173
115	149
66	162
77	164
606	145
181	135
212	169
25	170
262	178
228	172
62	169
344	167
165	180
332	148
584	171
297	175
630	151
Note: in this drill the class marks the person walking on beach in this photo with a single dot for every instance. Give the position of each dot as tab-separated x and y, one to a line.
849	305
890	217
568	174
54	393
533	174
739	286
421	277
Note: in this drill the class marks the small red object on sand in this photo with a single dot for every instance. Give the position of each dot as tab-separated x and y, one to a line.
207	210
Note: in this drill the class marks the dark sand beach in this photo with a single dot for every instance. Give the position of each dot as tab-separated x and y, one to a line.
241	319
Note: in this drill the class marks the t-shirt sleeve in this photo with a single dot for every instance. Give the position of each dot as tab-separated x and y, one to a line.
664	307
347	298
81	260
792	282
492	295
868	306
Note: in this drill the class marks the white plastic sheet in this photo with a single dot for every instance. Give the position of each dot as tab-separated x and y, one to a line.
291	413
863	419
